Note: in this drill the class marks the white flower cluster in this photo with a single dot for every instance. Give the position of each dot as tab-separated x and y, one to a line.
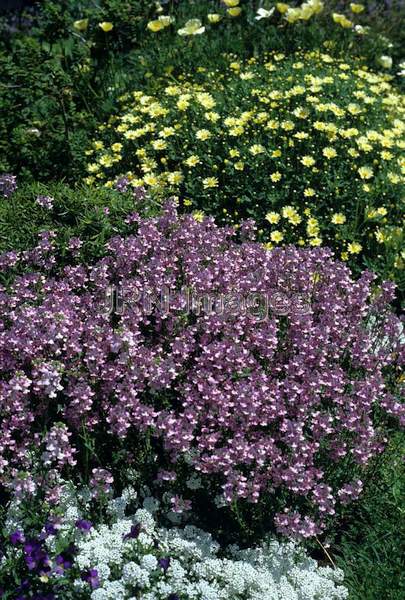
155	563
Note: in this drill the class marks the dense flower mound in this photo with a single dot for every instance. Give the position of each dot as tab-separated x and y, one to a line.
258	368
135	553
132	553
309	145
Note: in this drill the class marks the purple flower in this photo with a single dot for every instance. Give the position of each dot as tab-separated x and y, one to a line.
8	185
45	201
83	525
91	577
262	401
17	537
164	563
121	185
134	533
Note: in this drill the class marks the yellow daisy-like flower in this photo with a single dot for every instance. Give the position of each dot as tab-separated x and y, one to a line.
198	215
308	161
329	152
276	153
210	182
273	218
356	8
159	145
231	3
276	236
81	24
175	178
203	134
106	26
309	192
239	166
338	219
365	172
275	176
192	161
316	241
354	248
257	149
151	180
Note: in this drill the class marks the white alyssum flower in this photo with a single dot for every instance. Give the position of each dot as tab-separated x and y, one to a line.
159	561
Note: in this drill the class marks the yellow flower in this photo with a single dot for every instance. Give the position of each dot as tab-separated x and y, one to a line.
273	218
231	3
308	161
210	182
356	8
291	215
341	20
293	14
365	172
257	149
234	153
192	161
203	134
382	211
81	25
239	166
192	27
276	153
276	236
344	256
338	219
117	147
106	26
316	241
275	176
234	12
198	215
155	25
214	17
175	178
151	180
282	7
329	152
159	145
354	248
309	192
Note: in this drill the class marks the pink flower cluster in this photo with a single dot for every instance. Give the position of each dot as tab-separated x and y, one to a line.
259	404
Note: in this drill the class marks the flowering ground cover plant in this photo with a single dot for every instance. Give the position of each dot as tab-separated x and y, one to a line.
284	409
131	554
309	145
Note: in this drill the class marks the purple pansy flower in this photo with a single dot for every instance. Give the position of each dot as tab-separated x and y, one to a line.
91	577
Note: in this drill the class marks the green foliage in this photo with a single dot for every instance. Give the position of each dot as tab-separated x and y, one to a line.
57	81
94	216
371	549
